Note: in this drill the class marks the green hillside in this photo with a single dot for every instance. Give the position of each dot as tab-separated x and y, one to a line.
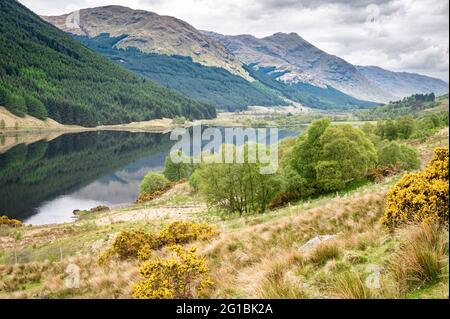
416	105
44	72
210	85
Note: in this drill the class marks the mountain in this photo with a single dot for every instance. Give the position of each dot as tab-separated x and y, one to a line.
163	49
297	61
212	85
44	72
403	84
315	96
150	33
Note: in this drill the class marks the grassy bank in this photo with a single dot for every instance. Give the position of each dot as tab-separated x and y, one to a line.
255	256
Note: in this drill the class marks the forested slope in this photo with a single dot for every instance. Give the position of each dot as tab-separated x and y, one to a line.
45	73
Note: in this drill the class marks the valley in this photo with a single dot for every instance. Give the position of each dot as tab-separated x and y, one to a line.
151	156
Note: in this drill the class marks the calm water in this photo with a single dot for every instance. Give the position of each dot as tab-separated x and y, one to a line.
44	182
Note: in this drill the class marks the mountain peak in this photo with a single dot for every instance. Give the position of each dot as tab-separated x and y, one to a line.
152	33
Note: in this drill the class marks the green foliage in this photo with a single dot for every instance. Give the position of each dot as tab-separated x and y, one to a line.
403	156
422	196
153	182
411	105
35	107
2	124
329	157
178	171
75	85
237	187
210	85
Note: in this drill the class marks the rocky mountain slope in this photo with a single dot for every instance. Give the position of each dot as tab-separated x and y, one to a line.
296	60
401	84
150	33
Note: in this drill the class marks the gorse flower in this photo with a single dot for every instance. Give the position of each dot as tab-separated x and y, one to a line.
182	275
421	196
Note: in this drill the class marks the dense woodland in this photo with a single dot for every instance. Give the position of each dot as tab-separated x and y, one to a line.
307	94
210	85
44	72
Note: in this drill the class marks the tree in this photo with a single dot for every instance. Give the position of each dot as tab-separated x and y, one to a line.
329	157
390	130
237	187
35	107
392	153
16	104
178	171
405	126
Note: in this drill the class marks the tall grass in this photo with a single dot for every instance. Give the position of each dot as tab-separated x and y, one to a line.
423	259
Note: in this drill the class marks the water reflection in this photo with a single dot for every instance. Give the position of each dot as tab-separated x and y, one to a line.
43	182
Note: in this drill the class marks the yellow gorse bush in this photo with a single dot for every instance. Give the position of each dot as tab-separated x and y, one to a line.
421	197
182	275
140	244
5	220
181	232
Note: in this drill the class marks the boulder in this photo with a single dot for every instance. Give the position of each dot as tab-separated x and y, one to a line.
316	241
100	208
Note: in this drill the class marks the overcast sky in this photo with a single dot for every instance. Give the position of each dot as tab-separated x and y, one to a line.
400	35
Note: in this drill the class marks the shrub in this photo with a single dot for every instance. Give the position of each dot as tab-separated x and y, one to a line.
2	124
182	232
423	258
140	244
4	220
392	153
420	196
180	276
178	171
129	242
153	182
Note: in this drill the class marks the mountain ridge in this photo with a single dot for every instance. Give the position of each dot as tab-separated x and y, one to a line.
150	33
314	66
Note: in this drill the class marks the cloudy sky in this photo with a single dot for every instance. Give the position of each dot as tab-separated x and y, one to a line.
400	35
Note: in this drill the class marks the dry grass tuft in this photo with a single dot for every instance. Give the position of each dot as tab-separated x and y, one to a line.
423	259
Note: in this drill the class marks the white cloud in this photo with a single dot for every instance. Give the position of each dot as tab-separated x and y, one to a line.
402	35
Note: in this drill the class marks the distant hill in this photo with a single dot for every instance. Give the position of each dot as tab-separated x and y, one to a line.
44	72
295	60
403	84
212	85
314	96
